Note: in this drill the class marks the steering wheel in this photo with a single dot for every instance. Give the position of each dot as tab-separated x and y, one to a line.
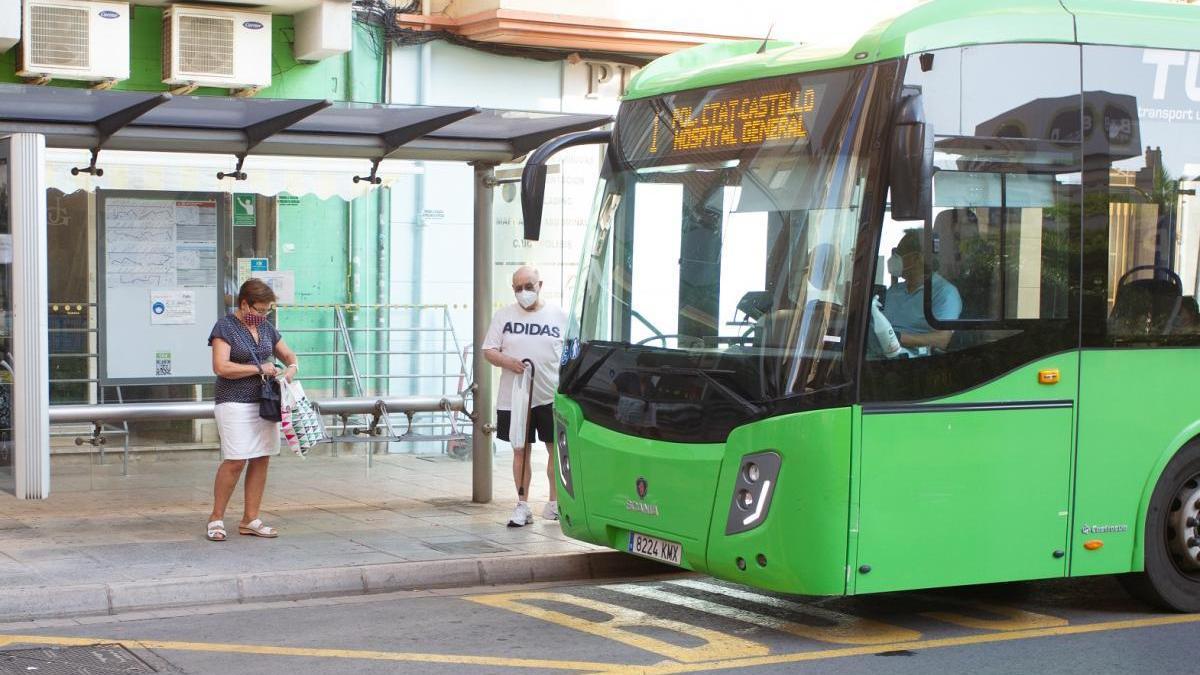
695	342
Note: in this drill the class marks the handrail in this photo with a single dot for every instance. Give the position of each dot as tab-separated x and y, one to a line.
351	358
195	410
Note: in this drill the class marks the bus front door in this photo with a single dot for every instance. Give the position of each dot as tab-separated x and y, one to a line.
970	491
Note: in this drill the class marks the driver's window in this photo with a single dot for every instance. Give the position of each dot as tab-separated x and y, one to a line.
983	284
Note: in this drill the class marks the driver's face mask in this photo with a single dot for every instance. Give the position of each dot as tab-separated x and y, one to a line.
895	265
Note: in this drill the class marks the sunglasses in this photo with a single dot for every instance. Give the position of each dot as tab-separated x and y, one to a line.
263	311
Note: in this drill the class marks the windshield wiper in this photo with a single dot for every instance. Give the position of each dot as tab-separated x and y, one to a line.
729	393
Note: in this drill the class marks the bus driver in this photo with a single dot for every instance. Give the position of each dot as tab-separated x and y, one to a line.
903	308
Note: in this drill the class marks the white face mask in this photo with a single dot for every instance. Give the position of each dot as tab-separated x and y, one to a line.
895	265
527	299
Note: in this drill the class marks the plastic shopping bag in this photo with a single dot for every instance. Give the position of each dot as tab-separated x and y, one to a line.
519	420
289	433
305	421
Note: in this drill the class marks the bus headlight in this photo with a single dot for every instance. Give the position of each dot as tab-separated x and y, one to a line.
564	457
752	491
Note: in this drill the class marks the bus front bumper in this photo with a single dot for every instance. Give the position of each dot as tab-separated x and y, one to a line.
791	536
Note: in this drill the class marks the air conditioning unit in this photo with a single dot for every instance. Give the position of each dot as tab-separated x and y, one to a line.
216	47
74	40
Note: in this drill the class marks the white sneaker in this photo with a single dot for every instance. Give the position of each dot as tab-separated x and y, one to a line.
550	511
521	516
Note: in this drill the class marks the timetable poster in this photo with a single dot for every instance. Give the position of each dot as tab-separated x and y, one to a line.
156	243
161	293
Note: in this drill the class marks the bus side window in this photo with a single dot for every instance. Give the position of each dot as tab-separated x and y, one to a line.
1143	262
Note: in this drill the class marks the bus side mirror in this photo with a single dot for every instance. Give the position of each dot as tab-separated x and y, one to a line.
533	176
911	166
533	196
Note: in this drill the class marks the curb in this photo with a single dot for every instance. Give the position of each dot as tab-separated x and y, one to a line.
45	602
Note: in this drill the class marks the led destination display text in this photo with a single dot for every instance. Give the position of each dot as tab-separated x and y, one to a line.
738	121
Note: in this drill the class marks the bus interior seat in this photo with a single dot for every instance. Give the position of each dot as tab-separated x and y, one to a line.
1188	320
1145	307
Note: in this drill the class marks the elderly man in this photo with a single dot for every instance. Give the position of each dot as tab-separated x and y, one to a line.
529	330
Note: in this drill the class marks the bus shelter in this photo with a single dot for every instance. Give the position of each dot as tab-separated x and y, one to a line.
311	146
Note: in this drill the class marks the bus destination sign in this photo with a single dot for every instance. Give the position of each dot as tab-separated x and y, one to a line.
738	122
721	122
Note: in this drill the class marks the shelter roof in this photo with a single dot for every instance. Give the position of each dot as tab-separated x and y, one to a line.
119	120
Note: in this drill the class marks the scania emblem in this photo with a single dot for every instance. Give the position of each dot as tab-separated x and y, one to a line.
641	487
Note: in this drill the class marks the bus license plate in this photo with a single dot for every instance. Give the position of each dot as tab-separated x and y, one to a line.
649	547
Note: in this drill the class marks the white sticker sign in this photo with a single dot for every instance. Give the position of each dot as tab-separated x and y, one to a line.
172	307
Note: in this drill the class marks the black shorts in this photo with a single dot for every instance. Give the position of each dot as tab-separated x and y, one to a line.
543	422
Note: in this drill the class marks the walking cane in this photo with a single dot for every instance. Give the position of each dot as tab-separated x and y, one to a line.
528	430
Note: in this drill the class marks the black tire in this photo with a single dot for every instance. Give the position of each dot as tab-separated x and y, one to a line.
1168	582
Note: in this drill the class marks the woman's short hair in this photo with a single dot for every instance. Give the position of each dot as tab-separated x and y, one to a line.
255	291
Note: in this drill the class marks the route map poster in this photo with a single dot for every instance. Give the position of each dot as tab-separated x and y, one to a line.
161	289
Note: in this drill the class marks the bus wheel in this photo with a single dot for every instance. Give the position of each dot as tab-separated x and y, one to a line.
1172	575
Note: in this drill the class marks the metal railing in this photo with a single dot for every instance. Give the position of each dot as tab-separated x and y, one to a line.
100	414
74	339
329	332
79	344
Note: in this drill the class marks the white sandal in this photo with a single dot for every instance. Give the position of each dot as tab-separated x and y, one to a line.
216	531
257	529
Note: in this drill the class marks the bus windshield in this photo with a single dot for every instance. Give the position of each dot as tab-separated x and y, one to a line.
719	266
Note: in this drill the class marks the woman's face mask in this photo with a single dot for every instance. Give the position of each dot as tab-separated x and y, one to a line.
895	265
253	317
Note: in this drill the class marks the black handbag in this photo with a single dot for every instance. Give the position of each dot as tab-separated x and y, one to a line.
270	396
270	400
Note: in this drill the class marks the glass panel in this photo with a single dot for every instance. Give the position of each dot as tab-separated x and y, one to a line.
720	262
985	284
656	314
329	256
6	309
1143	179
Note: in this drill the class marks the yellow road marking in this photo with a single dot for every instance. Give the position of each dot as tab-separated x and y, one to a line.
923	644
665	667
1014	619
715	645
360	654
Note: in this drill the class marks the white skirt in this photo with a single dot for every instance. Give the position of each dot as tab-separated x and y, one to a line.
245	435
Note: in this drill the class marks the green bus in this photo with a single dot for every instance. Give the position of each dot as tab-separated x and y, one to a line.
920	312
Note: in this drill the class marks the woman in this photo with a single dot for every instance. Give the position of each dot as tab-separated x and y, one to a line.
243	346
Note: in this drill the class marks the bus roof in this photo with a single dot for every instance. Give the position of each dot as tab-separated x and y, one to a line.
937	24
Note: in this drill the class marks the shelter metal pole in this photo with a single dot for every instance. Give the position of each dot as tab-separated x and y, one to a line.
30	323
481	437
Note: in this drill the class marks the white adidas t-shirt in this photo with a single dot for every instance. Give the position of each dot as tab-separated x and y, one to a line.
537	336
